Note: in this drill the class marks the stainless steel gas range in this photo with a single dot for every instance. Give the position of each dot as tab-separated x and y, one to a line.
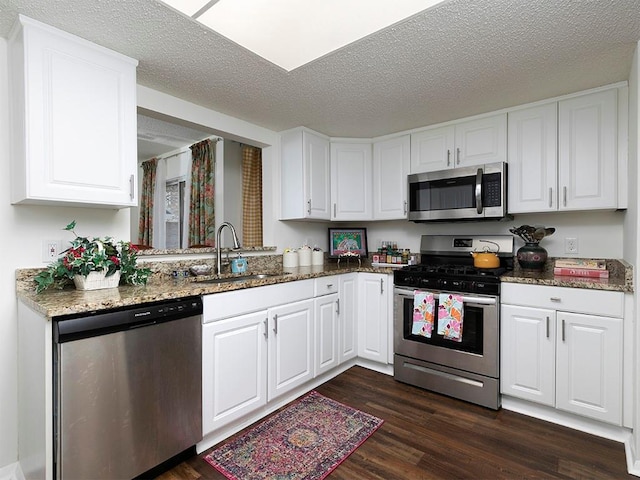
447	318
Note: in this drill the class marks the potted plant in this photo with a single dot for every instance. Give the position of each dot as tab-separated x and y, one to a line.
92	263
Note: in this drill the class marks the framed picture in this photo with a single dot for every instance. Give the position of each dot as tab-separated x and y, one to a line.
343	240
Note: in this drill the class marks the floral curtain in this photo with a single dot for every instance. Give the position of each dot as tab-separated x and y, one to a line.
202	221
251	196
145	224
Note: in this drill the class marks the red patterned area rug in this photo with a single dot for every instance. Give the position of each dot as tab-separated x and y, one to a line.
306	440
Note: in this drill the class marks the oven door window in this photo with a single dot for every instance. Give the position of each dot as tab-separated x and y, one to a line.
472	329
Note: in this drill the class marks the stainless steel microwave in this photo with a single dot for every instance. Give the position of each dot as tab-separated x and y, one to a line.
468	193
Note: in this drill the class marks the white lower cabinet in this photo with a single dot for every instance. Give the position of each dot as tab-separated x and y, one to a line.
327	333
256	345
235	378
347	316
373	316
290	339
567	354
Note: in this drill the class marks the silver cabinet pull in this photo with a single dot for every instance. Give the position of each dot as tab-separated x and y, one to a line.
563	330
564	196
555	299
458	156
275	324
334	209
550	197
338	306
448	157
329	285
547	327
405	207
381	286
132	186
309	206
266	327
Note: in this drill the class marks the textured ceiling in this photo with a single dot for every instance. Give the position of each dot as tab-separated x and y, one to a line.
460	58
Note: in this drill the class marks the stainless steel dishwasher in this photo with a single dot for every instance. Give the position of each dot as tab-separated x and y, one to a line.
127	389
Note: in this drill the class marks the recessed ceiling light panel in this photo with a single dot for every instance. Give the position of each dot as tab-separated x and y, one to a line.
291	33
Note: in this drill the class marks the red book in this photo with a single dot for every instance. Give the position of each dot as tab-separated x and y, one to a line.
580	272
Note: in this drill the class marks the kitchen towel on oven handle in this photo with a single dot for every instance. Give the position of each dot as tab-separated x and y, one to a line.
423	307
450	316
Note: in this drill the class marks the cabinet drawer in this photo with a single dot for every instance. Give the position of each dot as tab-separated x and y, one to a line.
238	302
579	300
325	285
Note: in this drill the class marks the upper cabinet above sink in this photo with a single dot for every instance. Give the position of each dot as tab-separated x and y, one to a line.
73	120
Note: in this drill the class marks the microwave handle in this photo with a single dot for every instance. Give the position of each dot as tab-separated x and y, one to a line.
479	191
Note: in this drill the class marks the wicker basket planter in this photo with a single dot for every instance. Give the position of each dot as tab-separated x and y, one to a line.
97	280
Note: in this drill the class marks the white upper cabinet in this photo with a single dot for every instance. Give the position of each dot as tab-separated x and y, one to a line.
391	159
463	144
305	178
432	149
587	151
351	181
73	111
564	155
533	159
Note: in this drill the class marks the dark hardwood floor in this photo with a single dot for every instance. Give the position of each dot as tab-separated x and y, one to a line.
429	436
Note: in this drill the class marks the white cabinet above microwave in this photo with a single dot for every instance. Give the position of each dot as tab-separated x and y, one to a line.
461	144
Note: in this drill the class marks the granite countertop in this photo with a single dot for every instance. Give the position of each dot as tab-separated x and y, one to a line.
620	277
54	303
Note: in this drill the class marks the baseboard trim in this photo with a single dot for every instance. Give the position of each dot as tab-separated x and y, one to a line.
11	472
583	424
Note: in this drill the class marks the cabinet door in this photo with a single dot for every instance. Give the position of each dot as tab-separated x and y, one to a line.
432	149
391	160
533	140
317	176
527	353
481	141
589	366
291	350
326	333
74	119
351	181
373	317
234	370
347	316
587	151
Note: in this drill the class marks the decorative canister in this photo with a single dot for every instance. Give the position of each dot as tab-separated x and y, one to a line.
304	257
290	259
531	256
317	257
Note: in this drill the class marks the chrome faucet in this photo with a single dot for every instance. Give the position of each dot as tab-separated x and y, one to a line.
236	243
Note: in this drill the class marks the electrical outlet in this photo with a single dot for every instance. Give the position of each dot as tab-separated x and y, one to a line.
570	245
50	250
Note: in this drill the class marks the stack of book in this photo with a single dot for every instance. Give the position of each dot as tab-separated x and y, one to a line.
579	267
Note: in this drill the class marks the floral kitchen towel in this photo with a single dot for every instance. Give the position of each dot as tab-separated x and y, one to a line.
423	306
450	313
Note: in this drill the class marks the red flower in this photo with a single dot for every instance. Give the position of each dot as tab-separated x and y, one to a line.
115	260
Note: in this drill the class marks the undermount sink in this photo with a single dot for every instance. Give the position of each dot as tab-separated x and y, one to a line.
243	278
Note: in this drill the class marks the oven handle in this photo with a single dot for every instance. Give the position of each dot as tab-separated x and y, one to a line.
479	300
